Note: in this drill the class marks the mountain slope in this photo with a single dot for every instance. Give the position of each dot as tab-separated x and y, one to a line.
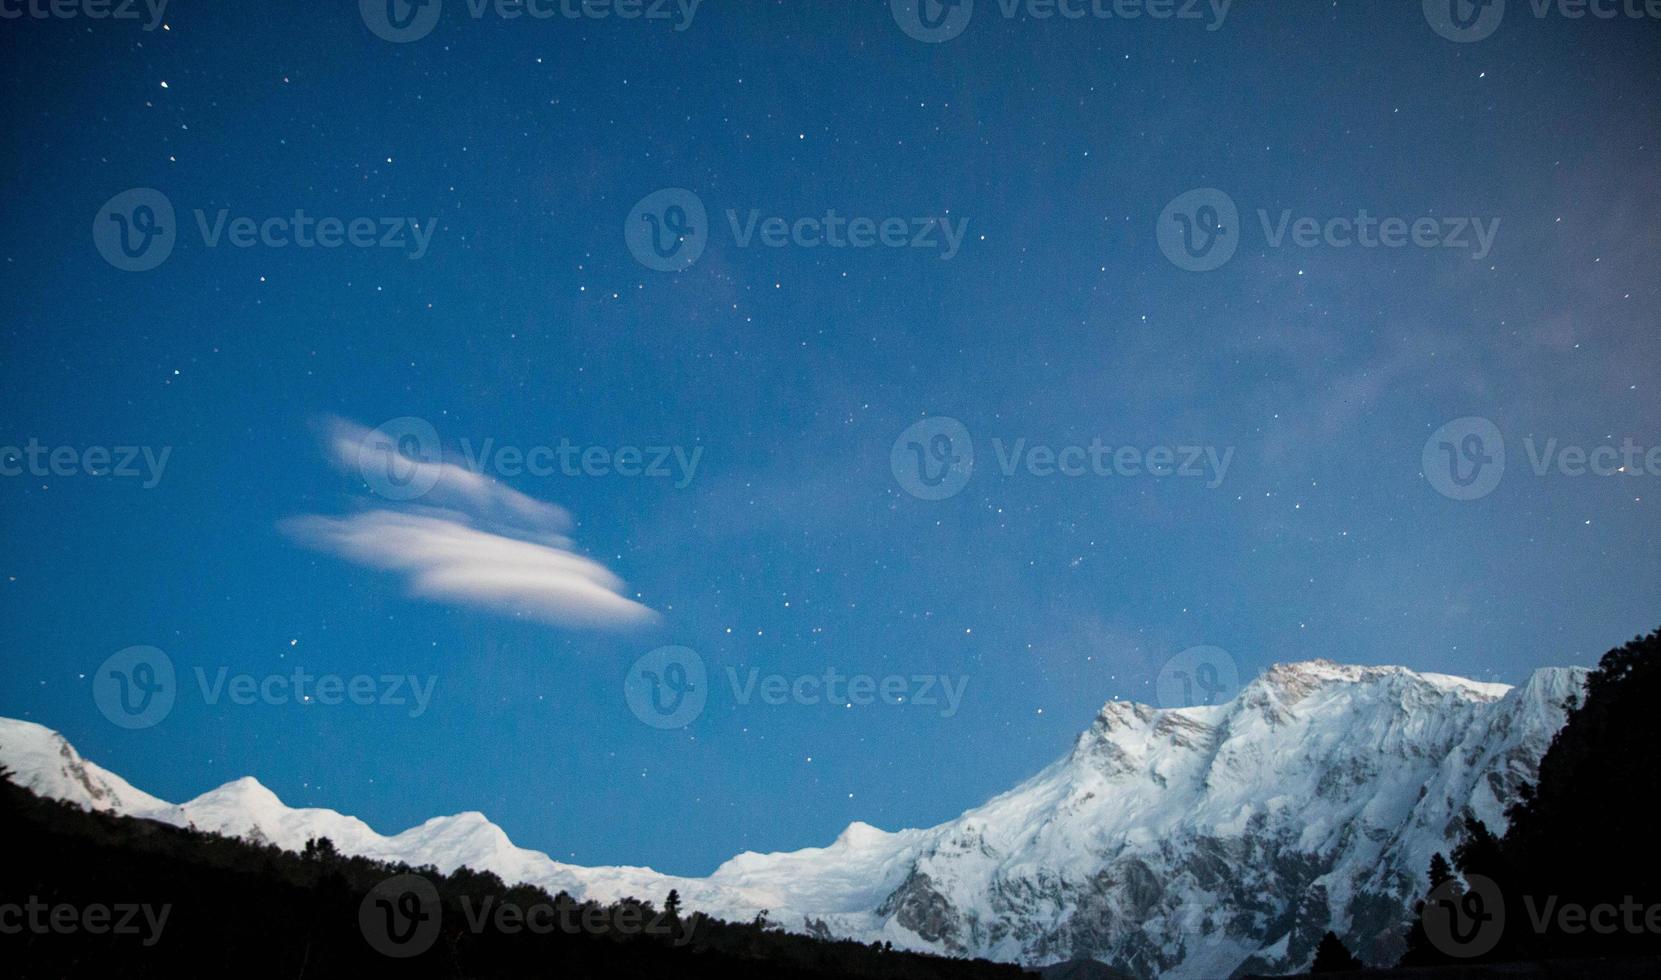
1187	842
44	761
1202	841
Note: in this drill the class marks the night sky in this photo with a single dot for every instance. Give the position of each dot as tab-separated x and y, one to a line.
515	160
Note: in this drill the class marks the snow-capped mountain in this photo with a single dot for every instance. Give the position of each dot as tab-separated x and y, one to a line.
1189	842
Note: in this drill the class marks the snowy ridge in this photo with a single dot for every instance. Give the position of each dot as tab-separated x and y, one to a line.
45	762
1187	842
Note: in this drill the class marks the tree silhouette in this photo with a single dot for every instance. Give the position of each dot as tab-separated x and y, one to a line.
321	850
1440	872
1332	956
1581	837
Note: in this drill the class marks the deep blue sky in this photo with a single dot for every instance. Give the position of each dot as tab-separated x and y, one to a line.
795	369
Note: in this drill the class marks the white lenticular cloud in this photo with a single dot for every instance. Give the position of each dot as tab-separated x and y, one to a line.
354	448
472	541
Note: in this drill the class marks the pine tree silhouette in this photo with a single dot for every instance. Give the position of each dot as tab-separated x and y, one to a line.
1440	871
1332	956
1420	951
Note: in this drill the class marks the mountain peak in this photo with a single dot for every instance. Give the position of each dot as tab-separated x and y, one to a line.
861	833
45	762
1555	682
1298	678
1119	712
1290	683
245	791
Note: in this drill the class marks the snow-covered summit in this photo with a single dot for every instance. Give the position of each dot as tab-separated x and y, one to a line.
45	762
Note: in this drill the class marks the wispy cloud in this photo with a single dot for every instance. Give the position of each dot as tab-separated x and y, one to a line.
470	541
